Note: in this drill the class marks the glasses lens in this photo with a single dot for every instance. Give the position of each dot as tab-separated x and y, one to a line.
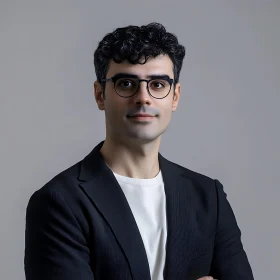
126	86
159	88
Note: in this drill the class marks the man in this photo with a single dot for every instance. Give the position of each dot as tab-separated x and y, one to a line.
124	211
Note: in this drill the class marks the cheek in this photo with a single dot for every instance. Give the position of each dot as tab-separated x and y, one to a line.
167	117
166	111
114	111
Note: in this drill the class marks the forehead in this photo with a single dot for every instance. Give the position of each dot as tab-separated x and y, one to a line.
161	64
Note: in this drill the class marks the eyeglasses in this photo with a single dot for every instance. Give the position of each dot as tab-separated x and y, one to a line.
125	86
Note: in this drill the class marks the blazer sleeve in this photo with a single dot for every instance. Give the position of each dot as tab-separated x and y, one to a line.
55	247
230	261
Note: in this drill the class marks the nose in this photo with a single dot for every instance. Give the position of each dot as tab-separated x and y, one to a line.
142	95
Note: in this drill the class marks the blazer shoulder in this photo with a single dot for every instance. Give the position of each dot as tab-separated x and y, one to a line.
64	183
194	176
191	173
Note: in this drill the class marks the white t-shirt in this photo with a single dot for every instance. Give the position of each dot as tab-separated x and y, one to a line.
146	198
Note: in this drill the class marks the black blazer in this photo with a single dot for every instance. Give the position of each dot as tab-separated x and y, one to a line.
79	226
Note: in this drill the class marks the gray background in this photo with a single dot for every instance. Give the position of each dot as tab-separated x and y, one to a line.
226	125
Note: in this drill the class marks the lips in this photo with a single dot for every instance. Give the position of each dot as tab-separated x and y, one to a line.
140	115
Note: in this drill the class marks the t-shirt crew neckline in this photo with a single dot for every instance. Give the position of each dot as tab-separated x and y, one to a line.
139	182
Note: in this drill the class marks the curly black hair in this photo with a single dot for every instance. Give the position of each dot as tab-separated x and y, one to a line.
136	44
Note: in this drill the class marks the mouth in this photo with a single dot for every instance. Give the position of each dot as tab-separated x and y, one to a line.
141	118
141	115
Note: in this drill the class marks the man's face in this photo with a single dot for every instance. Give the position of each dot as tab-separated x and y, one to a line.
119	125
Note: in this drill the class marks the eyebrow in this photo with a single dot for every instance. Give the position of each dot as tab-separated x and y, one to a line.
129	75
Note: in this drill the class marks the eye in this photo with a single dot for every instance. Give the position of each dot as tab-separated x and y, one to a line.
158	84
125	83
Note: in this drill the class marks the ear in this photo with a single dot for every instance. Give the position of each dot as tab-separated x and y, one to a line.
98	93
176	96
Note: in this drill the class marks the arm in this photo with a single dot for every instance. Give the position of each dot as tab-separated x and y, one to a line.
55	248
230	261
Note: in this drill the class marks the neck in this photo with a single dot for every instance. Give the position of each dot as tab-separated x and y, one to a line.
132	159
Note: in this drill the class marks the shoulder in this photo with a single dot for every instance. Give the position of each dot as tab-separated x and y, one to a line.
194	176
198	180
65	184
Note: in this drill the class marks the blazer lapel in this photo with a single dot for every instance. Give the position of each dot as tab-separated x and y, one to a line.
103	189
180	219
